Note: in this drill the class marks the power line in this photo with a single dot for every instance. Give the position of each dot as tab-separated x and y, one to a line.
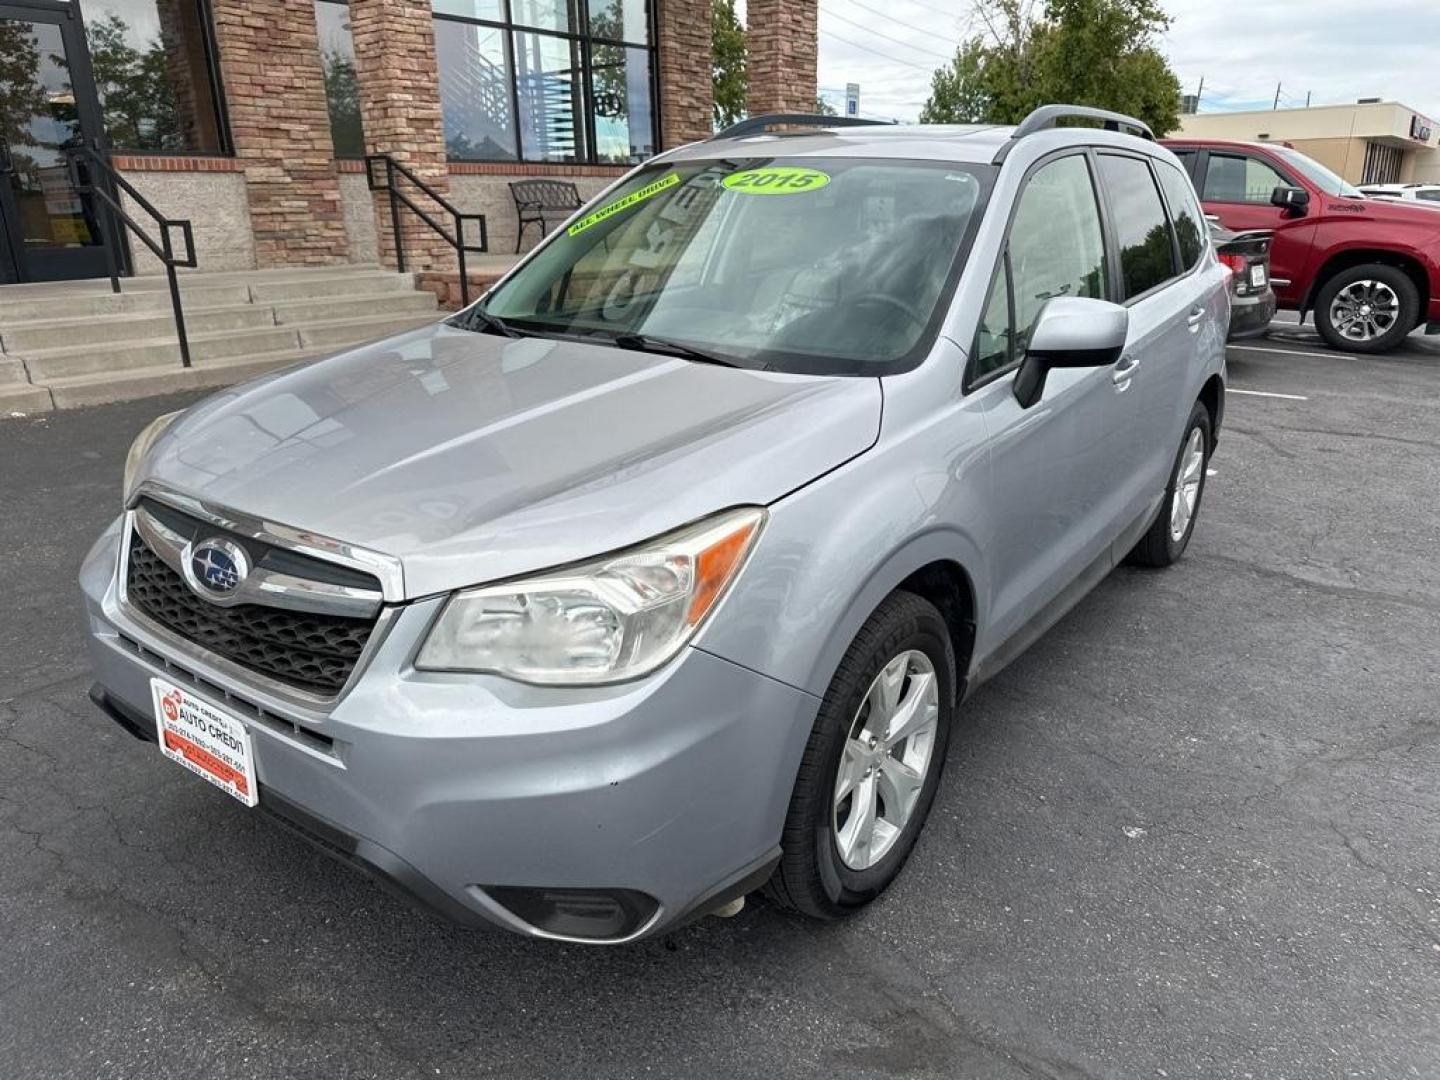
929	31
876	52
880	33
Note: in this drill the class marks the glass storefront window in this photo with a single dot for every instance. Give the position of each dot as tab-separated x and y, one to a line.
546	80
476	82
548	91
484	10
342	87
153	75
620	89
543	15
620	20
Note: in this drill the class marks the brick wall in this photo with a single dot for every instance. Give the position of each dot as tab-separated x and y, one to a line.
400	112
781	40
686	83
275	93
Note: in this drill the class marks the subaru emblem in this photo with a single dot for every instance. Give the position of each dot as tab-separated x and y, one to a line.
217	568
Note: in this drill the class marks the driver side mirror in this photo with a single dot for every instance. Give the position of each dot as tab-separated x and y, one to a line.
1294	199
1072	332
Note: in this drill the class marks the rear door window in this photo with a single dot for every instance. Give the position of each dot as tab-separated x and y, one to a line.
1142	233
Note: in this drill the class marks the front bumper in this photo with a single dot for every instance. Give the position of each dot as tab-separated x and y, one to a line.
458	789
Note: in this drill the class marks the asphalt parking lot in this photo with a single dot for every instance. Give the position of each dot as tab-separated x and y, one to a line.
1194	832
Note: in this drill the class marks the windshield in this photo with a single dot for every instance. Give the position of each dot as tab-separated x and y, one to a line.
804	265
1317	174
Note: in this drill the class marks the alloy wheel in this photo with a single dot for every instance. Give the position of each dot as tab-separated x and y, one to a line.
886	759
1187	484
1364	310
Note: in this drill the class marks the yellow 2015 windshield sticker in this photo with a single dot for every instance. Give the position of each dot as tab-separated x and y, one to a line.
624	203
777	180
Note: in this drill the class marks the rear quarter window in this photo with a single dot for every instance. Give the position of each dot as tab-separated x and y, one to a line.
1185	213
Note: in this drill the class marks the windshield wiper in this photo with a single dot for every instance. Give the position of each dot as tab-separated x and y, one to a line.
646	343
496	325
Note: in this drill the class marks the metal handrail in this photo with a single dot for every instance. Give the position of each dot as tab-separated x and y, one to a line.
164	250
394	170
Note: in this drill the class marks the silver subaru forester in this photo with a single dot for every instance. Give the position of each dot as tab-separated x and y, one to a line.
658	575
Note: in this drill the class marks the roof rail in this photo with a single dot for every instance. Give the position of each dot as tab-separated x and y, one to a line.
755	125
1048	116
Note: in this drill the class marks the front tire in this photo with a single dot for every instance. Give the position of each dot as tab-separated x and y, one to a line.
1170	532
872	765
1367	309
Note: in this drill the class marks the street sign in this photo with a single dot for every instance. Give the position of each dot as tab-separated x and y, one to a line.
852	99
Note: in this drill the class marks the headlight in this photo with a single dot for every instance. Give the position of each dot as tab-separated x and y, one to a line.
142	444
605	621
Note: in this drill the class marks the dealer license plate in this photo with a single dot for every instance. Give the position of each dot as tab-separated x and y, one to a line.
1257	275
208	741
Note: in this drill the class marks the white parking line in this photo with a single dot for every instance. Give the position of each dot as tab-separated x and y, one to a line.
1295	352
1265	393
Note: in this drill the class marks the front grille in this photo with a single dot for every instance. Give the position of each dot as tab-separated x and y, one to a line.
310	652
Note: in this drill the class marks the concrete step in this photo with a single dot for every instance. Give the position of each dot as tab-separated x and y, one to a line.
72	361
376	304
78	299
89	304
100	388
30	337
351	284
18	399
328	335
12	371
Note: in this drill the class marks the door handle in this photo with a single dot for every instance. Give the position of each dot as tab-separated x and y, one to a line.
1124	370
1195	318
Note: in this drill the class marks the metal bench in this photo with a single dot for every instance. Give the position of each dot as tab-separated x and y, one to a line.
542	202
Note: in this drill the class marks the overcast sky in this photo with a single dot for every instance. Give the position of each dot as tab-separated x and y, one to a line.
1336	50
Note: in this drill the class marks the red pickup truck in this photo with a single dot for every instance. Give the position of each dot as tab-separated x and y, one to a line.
1368	268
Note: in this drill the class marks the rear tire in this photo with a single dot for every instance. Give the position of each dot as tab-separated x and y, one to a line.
1170	532
1367	309
826	870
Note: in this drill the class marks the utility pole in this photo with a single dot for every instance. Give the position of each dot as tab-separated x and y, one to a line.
1199	93
1277	98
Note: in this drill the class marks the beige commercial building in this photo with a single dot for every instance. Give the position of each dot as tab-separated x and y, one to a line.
1371	142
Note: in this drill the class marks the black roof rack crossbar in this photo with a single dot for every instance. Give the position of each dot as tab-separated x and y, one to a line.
755	125
1048	116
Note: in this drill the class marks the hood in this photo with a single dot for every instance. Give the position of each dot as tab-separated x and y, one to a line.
473	457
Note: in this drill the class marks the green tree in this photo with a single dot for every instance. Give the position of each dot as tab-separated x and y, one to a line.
731	78
1083	52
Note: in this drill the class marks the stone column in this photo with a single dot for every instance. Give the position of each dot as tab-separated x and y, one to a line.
687	91
781	44
275	95
400	113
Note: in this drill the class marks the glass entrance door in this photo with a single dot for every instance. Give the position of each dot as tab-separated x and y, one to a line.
48	231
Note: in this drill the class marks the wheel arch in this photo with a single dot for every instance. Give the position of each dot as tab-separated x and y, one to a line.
1338	262
931	566
1212	396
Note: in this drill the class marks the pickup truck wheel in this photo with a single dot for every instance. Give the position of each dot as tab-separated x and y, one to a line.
1367	309
872	764
1169	534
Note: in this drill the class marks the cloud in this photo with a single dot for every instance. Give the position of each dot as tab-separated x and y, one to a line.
1333	49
